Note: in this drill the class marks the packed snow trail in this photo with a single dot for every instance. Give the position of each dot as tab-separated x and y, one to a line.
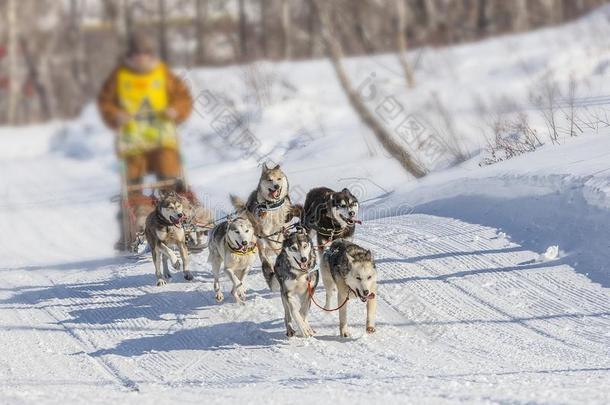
464	315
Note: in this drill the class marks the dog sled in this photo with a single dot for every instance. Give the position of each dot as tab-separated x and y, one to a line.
137	201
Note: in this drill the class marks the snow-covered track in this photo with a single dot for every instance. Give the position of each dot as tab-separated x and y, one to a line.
463	314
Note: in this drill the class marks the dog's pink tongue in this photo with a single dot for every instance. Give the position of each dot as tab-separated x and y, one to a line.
370	296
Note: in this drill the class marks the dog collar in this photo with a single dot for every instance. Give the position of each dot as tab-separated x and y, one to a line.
270	206
238	252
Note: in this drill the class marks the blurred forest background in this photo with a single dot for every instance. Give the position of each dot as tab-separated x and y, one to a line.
54	54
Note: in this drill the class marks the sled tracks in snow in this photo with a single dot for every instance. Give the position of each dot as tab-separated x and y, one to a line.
457	302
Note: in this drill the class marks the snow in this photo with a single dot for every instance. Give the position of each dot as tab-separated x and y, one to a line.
493	282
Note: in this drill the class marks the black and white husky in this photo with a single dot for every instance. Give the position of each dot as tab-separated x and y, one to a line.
269	209
330	214
351	269
296	274
232	243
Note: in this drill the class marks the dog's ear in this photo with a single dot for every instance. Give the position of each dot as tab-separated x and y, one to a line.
270	165
349	258
345	190
368	255
163	193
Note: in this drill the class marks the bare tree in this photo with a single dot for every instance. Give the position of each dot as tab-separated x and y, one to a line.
13	63
545	97
383	136
433	17
263	27
570	109
201	12
163	45
34	78
286	29
78	58
520	18
311	30
401	11
243	35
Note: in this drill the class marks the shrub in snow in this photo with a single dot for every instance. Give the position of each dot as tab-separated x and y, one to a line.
512	137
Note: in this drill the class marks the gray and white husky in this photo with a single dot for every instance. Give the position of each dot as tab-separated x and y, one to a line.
294	270
330	214
232	243
351	269
164	229
269	209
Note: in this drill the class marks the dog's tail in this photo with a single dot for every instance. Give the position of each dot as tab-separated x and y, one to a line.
238	203
296	211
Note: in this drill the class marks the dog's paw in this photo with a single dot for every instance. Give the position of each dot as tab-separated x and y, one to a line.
240	294
290	332
370	329
219	296
161	282
188	276
345	333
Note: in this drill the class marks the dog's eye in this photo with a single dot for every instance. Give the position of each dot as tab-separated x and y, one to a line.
369	277
293	248
247	231
359	278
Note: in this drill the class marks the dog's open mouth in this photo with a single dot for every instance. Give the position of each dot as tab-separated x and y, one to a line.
350	221
365	298
176	220
303	266
275	194
245	248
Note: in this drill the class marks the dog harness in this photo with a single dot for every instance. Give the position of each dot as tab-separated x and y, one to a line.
250	250
261	209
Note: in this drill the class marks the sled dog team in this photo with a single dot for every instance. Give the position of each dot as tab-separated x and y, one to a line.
283	235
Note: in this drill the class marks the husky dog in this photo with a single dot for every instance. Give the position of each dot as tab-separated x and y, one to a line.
293	270
269	209
233	243
199	223
330	214
351	269
164	229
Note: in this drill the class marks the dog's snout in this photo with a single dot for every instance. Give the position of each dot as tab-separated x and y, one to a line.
365	293
180	215
276	186
244	242
303	259
352	213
